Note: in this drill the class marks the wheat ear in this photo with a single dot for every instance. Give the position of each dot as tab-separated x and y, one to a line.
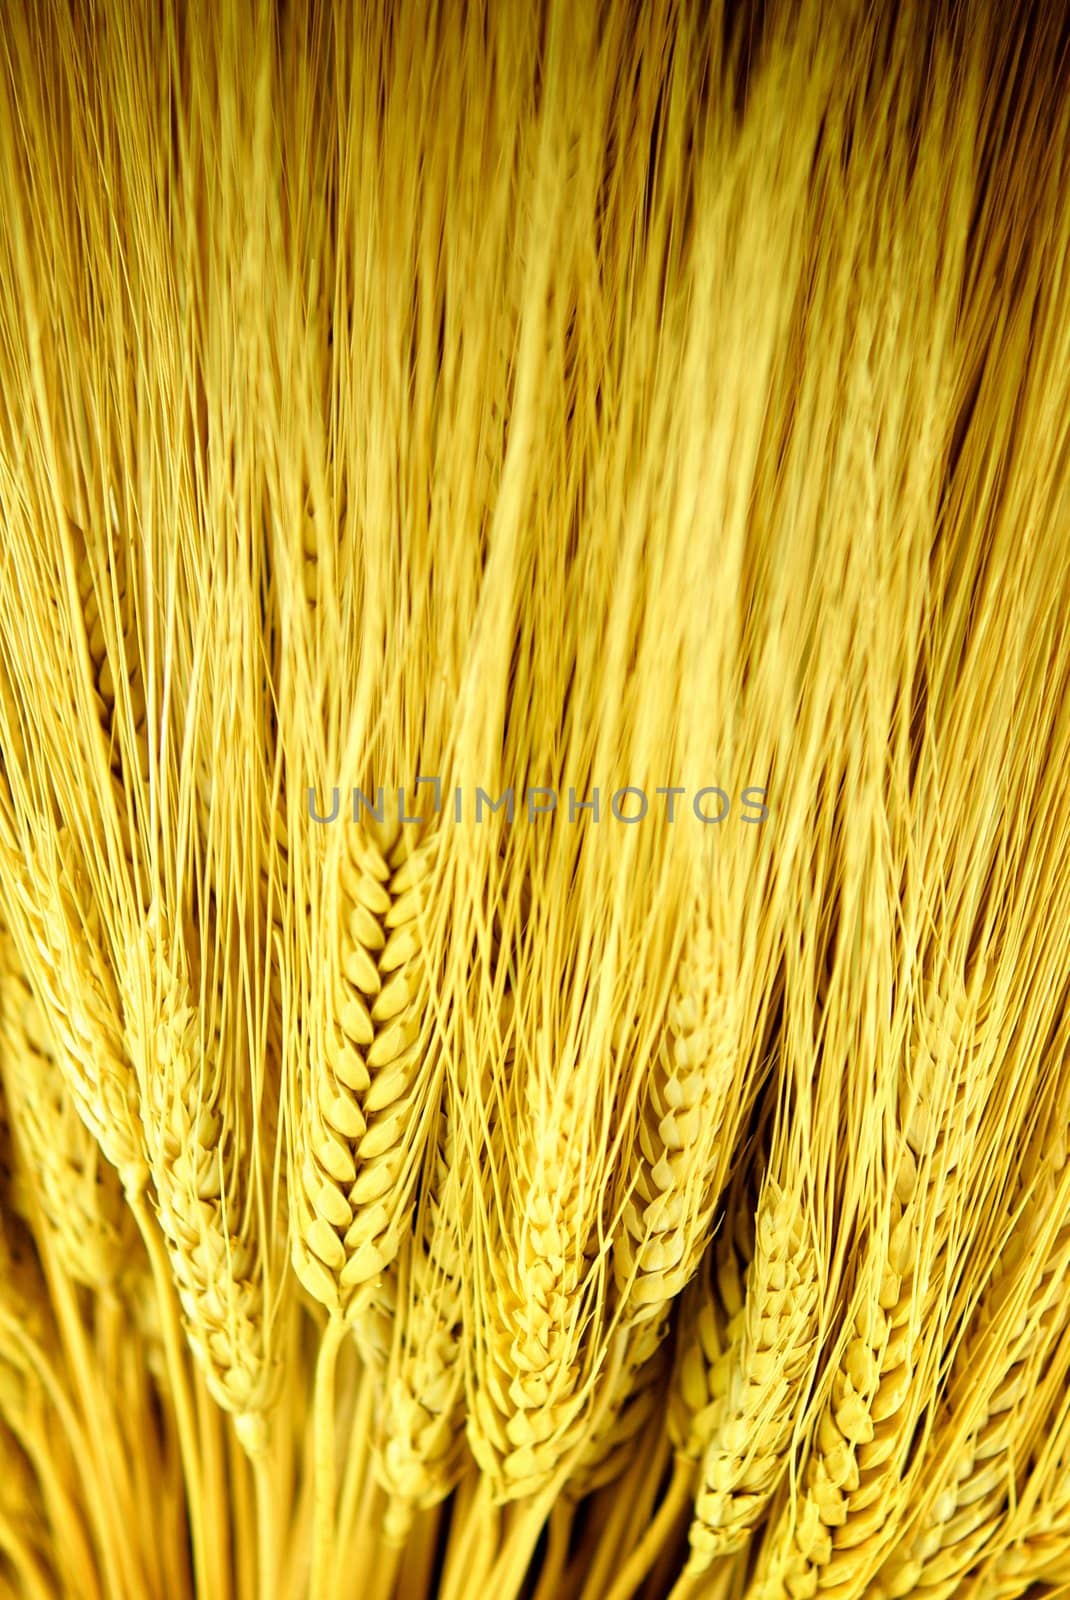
864	1431
993	1376
674	1180
528	1397
361	1094
707	1334
420	1431
1037	1533
78	1190
751	1424
710	1326
205	1203
685	1134
63	946
366	1081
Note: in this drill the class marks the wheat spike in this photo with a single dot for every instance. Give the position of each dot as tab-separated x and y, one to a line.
685	1133
62	942
710	1325
420	1429
1036	1544
198	1152
78	1190
528	1404
368	1078
991	1378
752	1420
864	1431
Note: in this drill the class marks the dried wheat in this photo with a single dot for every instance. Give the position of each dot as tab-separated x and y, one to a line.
420	1429
368	1078
78	1190
864	1432
62	943
994	1372
529	1402
751	1424
199	1157
686	1131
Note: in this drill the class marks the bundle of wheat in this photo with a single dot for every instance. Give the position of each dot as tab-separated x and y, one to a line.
534	712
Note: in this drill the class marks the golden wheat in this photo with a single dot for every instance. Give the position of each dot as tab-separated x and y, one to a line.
449	456
64	1170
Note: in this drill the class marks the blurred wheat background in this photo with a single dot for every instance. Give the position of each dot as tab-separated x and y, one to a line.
563	396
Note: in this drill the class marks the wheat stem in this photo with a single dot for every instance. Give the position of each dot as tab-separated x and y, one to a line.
325	1457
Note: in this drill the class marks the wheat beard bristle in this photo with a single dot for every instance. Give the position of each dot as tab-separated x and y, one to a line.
356	1125
101	664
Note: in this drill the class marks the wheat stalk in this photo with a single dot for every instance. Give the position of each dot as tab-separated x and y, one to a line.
33	1401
